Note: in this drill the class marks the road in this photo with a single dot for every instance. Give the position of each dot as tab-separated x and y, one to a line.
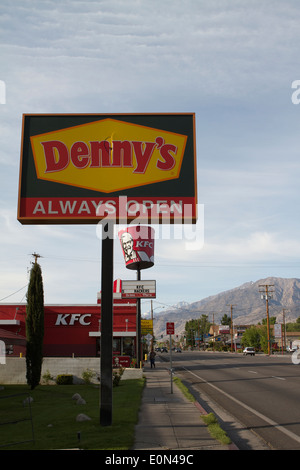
261	393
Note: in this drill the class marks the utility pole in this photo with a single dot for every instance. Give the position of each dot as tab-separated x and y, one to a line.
265	294
213	332
231	325
284	328
36	256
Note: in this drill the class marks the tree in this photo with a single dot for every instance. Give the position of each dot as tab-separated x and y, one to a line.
226	320
272	321
196	329
295	326
251	337
264	338
34	326
257	337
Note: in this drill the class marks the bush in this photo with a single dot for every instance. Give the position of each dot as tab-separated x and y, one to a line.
64	379
47	377
117	376
87	376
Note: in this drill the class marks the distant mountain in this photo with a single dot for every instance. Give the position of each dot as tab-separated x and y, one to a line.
247	305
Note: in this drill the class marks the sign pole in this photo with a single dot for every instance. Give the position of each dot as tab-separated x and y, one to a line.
171	366
138	326
106	325
170	330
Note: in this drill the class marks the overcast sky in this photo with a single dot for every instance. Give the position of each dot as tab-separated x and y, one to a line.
231	62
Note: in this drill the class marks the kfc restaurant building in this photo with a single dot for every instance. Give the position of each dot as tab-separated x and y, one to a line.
73	330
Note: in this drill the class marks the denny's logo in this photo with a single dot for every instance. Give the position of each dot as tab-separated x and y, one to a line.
108	155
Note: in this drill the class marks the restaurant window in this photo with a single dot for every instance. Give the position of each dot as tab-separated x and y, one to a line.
117	346
128	346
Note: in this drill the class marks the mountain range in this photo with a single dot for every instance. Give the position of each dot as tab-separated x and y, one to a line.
246	302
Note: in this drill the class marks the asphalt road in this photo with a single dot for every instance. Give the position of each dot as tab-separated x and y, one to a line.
261	393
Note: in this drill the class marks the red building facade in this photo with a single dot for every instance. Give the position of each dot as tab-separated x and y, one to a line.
71	329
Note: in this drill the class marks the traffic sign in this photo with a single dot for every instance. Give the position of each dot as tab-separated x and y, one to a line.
170	328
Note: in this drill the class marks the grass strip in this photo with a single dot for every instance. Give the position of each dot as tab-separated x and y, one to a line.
54	415
210	419
215	429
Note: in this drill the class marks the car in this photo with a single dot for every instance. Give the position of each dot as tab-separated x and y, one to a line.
291	349
178	350
164	350
250	351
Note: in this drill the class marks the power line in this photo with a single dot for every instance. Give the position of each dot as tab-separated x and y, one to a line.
10	295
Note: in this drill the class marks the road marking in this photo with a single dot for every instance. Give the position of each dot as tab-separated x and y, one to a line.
279	378
252	371
257	413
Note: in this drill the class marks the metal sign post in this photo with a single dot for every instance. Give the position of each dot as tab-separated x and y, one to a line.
171	367
106	325
170	330
138	327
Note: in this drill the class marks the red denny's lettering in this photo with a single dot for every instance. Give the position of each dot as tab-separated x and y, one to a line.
105	154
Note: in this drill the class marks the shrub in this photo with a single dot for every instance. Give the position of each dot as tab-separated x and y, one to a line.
133	363
87	376
47	377
117	374
64	379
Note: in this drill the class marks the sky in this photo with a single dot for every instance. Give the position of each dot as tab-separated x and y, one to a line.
233	63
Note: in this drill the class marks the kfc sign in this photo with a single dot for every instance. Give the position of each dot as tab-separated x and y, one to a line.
74	168
73	319
138	246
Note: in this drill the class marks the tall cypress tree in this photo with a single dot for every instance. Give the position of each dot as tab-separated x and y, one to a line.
34	326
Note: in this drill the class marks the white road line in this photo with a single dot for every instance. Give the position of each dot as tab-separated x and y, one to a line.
292	435
279	378
252	371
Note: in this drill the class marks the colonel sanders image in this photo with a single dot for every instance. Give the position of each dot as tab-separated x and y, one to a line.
127	244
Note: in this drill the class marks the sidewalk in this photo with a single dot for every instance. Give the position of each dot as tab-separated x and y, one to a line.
169	421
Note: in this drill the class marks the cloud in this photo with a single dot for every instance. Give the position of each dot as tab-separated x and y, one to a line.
231	62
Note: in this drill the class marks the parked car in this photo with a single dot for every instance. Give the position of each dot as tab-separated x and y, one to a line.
177	350
164	350
291	349
250	351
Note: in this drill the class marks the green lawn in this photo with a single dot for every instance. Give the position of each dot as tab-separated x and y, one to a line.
54	417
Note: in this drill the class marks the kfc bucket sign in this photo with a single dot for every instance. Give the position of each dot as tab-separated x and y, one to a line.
138	247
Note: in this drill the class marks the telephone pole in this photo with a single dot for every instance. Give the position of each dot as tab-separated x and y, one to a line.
284	329
265	294
231	324
36	256
214	337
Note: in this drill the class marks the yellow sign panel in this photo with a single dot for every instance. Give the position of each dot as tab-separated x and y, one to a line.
108	155
146	327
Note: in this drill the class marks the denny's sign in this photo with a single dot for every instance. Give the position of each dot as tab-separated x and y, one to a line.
82	168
